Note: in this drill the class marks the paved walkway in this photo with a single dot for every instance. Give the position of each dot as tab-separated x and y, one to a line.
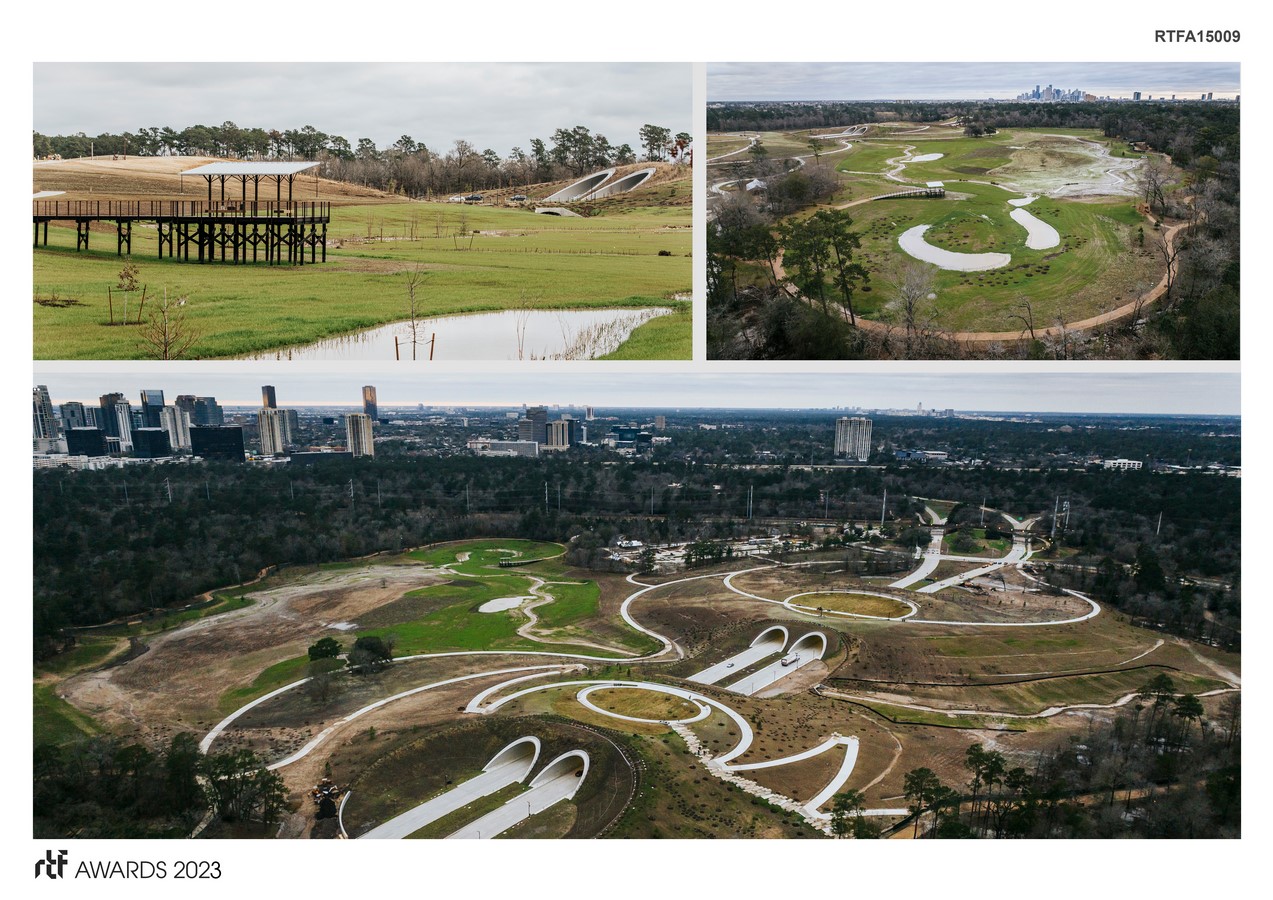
551	791
461	795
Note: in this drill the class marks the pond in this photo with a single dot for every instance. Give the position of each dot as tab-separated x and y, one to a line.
511	334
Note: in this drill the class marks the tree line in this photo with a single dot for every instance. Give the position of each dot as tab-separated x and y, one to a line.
406	166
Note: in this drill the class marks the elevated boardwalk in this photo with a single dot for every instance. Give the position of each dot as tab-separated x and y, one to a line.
914	192
215	230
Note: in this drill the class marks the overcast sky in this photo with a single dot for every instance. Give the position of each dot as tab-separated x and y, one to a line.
1168	393
967	81
491	105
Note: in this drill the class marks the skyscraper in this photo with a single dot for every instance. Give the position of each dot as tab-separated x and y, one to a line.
217	442
85	442
202	410
44	424
116	420
151	443
269	422
152	404
268	400
535	426
291	426
358	433
369	402
176	421
853	437
76	415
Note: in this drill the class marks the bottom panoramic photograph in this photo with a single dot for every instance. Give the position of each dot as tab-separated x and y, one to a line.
860	606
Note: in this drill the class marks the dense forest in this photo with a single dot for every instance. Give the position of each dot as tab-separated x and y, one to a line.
1161	769
407	166
105	787
118	542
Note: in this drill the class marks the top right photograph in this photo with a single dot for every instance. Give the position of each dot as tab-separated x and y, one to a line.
1053	211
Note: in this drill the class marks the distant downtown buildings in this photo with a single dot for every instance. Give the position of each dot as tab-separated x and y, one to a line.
114	429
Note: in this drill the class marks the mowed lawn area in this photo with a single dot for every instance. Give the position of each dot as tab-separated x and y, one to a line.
1106	256
473	259
1099	263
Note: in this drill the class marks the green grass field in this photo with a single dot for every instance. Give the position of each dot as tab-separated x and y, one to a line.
507	258
87	653
458	625
484	556
270	679
571	603
1105	258
981	545
57	722
1098	265
667	337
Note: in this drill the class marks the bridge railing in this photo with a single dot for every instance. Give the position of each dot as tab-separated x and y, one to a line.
303	210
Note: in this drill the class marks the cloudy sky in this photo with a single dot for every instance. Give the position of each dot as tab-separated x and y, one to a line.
1165	393
957	81
491	105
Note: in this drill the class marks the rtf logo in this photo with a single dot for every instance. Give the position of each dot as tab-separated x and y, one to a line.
50	866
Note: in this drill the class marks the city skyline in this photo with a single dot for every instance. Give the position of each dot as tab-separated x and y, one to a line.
963	81
1085	393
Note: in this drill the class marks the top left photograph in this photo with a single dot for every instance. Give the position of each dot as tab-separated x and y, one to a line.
362	211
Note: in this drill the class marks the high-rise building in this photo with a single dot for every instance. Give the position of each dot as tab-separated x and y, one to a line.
44	423
563	433
210	412
85	442
269	423
116	420
151	443
176	421
358	437
1135	95
369	407
291	426
535	426
853	437
268	400
558	435
152	404
660	422
77	415
203	411
217	442
589	413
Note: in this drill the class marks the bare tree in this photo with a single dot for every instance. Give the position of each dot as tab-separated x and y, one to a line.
414	282
914	285
166	332
1168	250
1154	177
1026	316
